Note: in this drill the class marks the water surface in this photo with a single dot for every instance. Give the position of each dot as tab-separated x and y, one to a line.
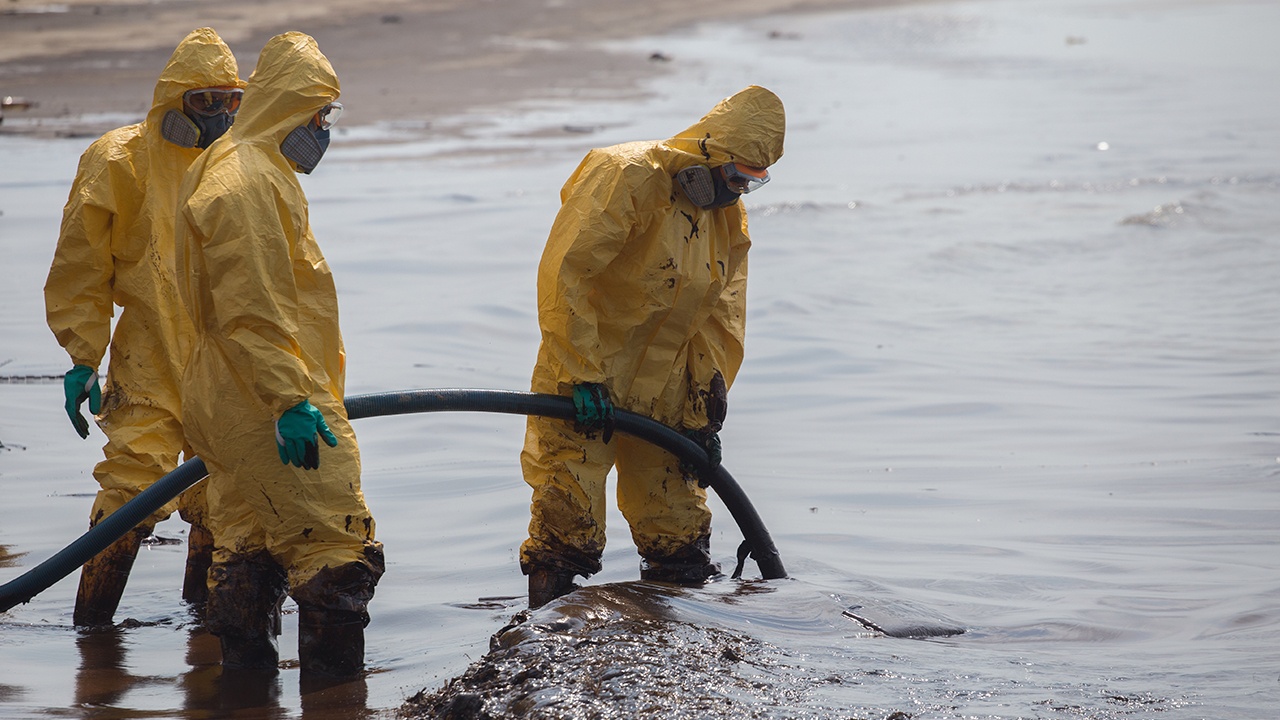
1013	329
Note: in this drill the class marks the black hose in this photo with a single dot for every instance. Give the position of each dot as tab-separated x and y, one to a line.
757	539
111	528
100	536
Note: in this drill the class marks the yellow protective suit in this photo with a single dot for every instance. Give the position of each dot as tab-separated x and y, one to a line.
644	292
116	248
265	310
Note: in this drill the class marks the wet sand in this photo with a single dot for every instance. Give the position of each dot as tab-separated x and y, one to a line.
88	66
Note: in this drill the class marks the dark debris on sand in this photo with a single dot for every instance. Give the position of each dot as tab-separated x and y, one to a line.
582	657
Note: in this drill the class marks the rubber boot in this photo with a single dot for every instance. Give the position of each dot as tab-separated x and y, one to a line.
690	565
333	610
330	642
250	652
243	610
195	583
103	578
547	584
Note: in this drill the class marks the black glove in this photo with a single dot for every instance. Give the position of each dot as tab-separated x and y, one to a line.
594	409
715	399
709	441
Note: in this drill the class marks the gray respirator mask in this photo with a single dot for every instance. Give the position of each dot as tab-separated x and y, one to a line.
305	146
206	115
706	188
200	131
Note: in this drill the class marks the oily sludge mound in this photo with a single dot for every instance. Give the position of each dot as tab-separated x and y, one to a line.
611	651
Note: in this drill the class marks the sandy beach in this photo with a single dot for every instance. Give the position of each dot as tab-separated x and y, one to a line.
86	66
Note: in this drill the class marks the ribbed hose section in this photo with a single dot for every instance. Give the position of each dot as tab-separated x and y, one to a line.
404	402
108	530
758	540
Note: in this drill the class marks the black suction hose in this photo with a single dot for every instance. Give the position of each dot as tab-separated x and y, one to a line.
757	539
100	536
758	542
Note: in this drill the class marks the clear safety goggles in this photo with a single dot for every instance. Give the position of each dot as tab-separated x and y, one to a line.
213	101
328	115
743	179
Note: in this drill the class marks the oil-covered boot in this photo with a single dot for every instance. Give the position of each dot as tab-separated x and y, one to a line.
243	610
249	652
333	610
330	642
547	584
103	578
690	565
195	583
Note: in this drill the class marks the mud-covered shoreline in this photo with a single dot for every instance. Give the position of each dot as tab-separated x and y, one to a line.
611	651
88	66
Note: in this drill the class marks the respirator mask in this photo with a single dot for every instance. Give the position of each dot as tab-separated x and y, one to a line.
718	187
206	114
306	144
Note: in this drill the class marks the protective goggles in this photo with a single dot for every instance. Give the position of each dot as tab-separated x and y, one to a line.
743	179
328	115
213	101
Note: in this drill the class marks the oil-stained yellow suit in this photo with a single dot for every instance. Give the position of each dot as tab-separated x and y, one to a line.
265	311
643	292
116	247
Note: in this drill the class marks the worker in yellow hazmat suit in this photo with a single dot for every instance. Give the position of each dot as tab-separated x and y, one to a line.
265	380
116	248
641	301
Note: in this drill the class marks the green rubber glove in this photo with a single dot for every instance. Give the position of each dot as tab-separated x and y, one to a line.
81	383
296	432
594	409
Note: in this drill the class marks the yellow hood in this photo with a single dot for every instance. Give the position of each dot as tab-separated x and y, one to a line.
291	82
747	127
201	60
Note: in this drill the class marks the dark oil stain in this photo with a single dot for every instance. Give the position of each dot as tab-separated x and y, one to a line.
702	145
693	226
274	511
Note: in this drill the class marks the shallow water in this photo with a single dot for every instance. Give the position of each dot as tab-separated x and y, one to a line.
1011	365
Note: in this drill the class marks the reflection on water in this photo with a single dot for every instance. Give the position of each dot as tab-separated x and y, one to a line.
998	378
103	678
107	684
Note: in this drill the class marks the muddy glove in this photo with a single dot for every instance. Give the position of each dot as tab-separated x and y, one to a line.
296	432
716	401
81	383
710	442
593	409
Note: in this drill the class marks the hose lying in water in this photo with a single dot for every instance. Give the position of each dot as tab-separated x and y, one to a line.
758	544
